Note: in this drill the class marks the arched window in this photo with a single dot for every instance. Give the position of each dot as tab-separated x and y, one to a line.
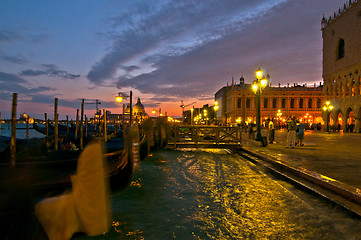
248	103
310	103
318	102
300	103
341	49
283	103
265	102
292	103
274	103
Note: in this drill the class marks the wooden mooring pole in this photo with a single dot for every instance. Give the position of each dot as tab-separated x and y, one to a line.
105	125
81	123
130	107
67	124
86	127
56	124
27	128
46	125
13	132
77	124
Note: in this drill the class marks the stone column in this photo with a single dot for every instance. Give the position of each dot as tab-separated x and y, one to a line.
344	121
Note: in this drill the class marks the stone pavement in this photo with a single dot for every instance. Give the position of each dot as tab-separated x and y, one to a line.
335	155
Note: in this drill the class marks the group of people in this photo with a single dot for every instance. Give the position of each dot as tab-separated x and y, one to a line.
295	132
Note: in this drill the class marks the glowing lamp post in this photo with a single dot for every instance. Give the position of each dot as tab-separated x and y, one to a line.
327	108
215	110
119	98
258	86
279	116
192	116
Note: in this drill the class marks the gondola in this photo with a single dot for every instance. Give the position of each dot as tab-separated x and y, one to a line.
49	172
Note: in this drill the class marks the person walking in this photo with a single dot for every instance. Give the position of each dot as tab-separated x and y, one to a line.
300	134
271	128
291	135
252	131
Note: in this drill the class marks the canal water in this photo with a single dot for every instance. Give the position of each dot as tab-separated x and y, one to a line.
20	131
216	194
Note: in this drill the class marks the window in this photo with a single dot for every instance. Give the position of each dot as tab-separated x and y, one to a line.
274	103
310	103
265	102
292	103
300	103
341	49
283	103
318	102
248	103
239	103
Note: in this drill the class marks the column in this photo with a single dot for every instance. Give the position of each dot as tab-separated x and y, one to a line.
344	121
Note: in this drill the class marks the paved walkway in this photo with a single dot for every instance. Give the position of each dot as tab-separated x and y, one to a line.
334	155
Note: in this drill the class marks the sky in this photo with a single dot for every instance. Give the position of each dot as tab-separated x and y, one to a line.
163	51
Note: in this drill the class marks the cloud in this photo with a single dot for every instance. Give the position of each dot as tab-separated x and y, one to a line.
14	59
9	36
50	70
11	83
286	42
9	78
174	28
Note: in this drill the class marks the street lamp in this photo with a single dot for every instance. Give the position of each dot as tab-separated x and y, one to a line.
215	110
327	108
258	86
119	98
192	109
279	116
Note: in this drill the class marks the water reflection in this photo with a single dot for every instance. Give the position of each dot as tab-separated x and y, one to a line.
214	194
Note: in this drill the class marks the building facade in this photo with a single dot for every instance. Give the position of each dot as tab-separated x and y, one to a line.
342	65
237	103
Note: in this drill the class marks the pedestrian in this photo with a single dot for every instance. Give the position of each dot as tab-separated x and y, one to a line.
300	133
271	129
252	131
291	134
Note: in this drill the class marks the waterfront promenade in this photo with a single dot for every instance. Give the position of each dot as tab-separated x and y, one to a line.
335	155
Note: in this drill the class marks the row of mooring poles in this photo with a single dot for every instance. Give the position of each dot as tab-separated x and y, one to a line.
56	123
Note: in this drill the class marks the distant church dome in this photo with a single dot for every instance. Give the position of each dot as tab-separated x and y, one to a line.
138	107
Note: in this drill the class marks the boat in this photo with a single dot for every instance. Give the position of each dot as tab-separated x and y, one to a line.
49	172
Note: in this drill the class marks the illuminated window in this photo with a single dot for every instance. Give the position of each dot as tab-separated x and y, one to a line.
341	49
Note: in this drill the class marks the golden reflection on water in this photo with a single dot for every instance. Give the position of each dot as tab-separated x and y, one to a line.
214	194
136	183
243	201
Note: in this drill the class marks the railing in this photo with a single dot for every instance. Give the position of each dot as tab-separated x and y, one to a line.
205	136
